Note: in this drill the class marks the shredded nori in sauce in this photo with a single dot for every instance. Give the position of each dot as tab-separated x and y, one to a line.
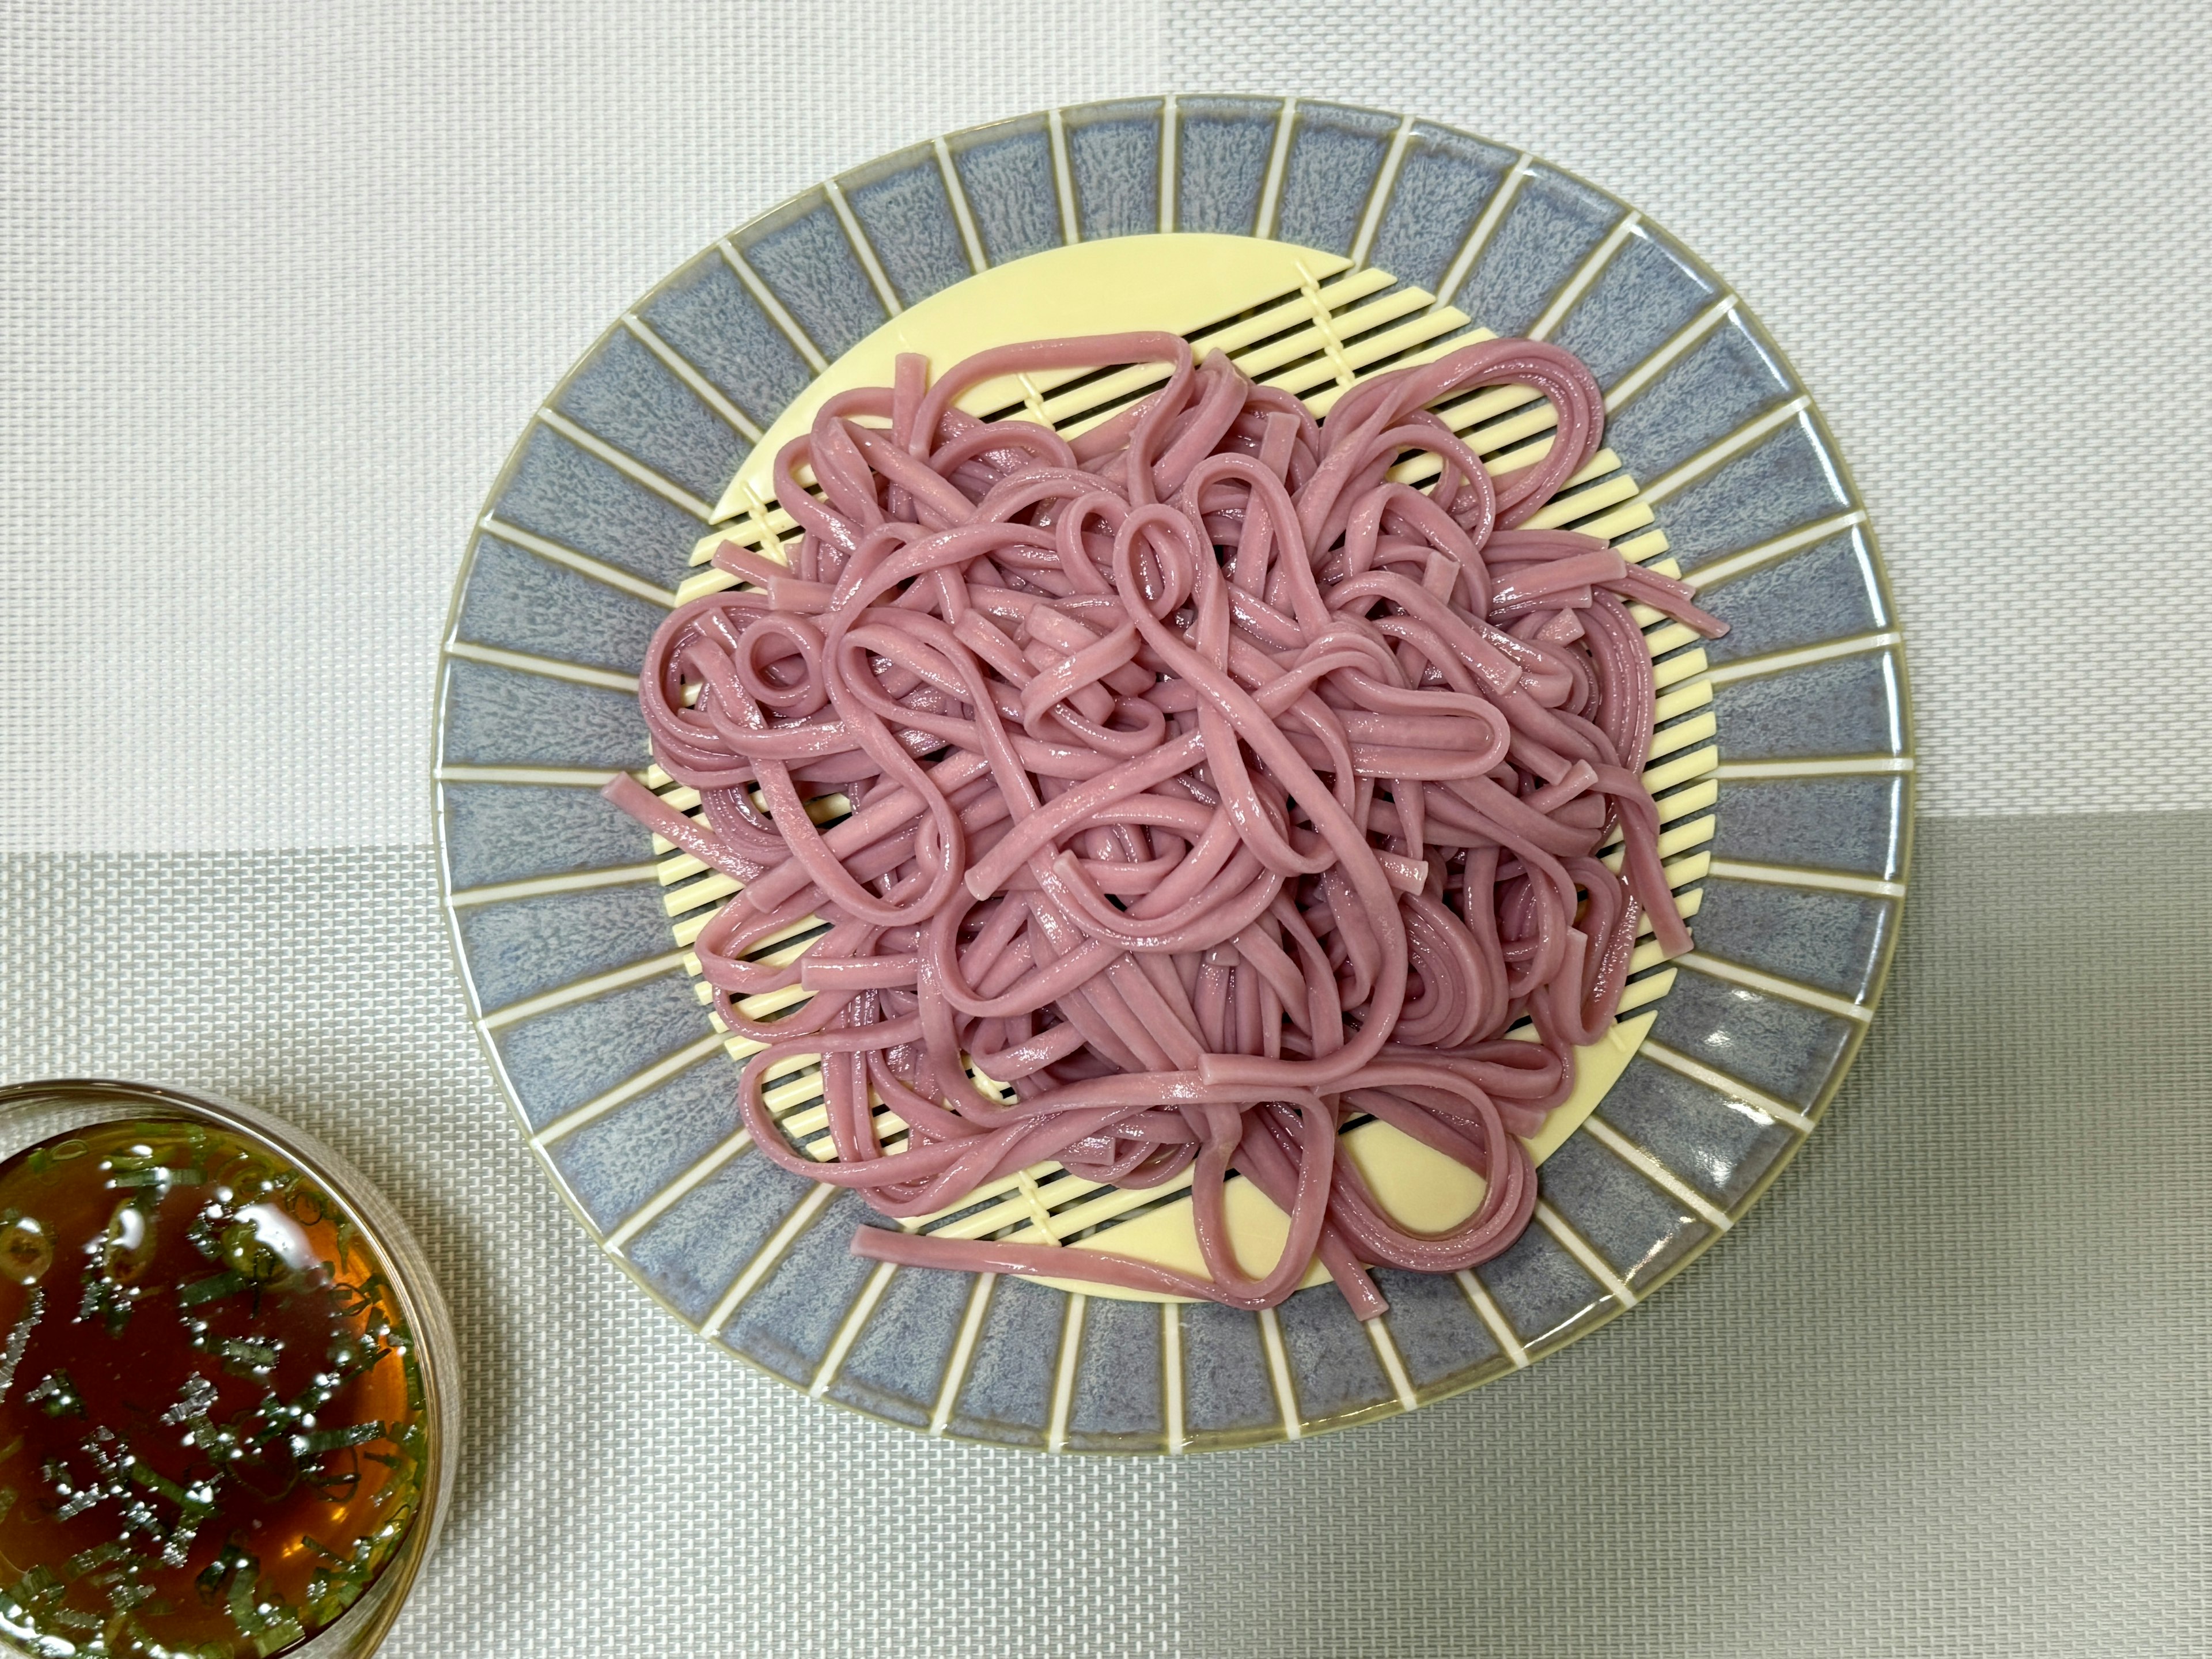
214	1441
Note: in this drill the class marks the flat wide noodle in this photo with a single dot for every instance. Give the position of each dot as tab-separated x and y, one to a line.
1210	788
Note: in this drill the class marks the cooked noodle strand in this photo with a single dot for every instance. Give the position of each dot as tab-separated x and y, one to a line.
1210	789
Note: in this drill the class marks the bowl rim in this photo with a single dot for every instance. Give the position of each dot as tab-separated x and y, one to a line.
361	1630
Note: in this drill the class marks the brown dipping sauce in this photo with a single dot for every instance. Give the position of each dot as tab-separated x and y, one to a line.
211	1416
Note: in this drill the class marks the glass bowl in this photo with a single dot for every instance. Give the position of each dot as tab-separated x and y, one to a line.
37	1111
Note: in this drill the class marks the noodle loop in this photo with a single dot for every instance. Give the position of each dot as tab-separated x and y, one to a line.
1210	789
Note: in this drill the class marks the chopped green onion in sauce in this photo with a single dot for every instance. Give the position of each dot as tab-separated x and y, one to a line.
212	1422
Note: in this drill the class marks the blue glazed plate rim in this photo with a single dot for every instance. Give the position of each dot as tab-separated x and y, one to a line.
1590	1317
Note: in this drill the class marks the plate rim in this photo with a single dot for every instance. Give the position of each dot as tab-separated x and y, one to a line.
1164	107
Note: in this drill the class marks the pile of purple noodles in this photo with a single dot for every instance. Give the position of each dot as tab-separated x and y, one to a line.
1210	788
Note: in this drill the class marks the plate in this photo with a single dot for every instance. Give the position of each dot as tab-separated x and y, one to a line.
1785	748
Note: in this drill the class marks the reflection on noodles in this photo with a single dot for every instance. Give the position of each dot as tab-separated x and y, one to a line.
1210	788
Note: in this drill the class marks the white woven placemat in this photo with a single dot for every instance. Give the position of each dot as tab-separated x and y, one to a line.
279	285
282	283
625	1490
1944	1393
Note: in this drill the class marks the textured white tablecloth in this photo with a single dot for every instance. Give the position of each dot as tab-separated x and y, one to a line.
283	282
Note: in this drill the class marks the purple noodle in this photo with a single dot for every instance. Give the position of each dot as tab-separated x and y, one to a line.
1210	787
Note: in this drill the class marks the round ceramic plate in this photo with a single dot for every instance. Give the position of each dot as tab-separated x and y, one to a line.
1783	763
